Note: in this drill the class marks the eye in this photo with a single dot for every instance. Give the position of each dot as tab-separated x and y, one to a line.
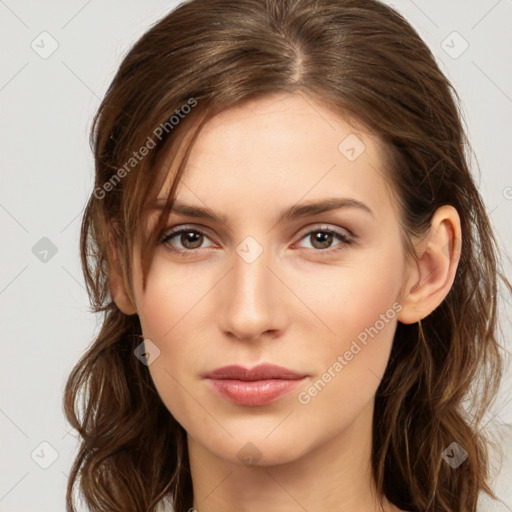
189	239
322	239
186	240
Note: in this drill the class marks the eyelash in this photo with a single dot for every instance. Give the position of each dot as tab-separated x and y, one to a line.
190	252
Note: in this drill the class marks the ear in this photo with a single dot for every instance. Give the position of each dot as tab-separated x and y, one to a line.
430	278
115	277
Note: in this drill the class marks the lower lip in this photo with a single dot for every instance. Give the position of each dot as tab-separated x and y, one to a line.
253	393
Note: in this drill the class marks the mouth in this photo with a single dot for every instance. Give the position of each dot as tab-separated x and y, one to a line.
258	386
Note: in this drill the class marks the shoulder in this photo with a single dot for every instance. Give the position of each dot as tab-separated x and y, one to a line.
165	505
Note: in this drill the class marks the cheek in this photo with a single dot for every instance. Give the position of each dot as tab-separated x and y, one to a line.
172	295
172	370
349	369
169	311
359	307
348	299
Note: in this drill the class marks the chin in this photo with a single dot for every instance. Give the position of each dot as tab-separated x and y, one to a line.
257	450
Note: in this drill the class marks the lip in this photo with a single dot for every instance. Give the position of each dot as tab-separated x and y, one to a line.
258	386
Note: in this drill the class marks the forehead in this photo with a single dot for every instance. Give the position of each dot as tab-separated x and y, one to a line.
278	150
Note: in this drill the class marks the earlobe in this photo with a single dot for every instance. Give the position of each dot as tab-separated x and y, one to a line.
432	275
115	279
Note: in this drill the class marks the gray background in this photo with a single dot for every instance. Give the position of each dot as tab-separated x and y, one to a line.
47	103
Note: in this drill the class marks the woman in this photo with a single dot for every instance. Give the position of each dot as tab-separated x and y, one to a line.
297	273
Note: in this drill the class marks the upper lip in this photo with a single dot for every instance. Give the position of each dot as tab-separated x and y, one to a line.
260	372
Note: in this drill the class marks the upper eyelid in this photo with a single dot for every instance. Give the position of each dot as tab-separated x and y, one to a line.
326	227
183	227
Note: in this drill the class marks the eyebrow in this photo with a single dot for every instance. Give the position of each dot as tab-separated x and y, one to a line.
294	212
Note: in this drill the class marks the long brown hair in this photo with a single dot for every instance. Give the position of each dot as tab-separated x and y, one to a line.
363	60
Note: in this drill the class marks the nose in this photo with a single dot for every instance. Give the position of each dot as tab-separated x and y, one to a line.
251	300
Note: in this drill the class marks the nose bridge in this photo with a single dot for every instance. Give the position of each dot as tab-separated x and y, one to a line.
250	295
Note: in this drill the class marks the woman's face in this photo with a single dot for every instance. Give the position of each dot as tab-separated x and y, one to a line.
316	292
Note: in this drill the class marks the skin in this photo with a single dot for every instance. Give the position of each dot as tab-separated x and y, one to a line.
297	305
